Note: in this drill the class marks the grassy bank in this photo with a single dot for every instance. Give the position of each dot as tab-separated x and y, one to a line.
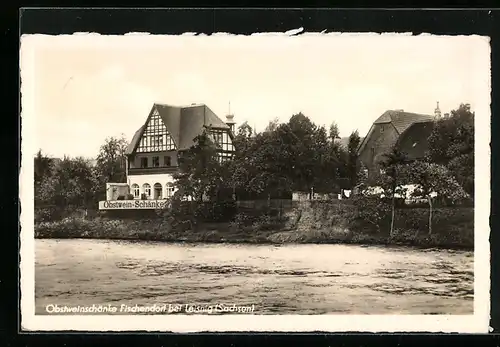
453	229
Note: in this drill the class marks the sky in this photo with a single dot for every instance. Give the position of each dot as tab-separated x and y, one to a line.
79	89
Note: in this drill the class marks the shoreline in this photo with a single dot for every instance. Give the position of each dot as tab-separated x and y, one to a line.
187	240
452	229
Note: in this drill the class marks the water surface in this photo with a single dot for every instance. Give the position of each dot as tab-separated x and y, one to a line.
287	279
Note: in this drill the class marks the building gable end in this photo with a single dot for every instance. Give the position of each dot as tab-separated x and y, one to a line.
155	136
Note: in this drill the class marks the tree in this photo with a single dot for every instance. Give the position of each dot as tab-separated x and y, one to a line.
370	211
352	159
43	166
245	131
391	178
433	180
112	162
451	143
200	173
273	125
334	131
303	159
243	137
72	183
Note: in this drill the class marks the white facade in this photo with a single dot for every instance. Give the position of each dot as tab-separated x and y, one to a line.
155	186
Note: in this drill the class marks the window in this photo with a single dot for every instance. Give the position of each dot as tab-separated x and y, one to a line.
156	138
144	162
156	161
373	151
224	156
224	144
158	191
222	140
167	161
135	191
169	191
146	189
382	129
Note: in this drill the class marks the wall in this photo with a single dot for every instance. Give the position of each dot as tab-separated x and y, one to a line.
382	139
113	190
135	160
163	179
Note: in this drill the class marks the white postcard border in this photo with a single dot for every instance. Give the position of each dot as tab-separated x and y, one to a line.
476	323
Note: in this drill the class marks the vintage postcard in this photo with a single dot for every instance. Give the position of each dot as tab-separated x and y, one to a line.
271	182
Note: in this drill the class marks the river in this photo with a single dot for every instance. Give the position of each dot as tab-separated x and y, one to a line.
287	279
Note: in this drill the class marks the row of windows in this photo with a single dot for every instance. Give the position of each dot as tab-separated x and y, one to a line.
155	193
167	160
155	162
224	156
156	143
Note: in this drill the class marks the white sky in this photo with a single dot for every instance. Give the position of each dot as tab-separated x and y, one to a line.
84	88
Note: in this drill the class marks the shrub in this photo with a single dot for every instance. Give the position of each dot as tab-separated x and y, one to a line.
121	197
130	197
370	213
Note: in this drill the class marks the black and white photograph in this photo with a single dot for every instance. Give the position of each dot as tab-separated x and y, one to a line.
271	182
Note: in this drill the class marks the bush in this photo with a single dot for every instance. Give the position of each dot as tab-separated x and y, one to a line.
370	213
130	197
121	197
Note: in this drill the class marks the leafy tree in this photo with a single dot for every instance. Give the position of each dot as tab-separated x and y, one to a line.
325	160
352	159
303	138
245	131
334	132
265	167
200	173
111	161
433	180
392	178
72	183
43	167
451	143
370	211
243	137
273	125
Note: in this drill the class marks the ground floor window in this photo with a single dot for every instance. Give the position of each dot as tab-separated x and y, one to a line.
146	189
135	190
158	191
169	190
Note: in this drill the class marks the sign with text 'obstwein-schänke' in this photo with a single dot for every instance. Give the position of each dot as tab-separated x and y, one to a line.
133	204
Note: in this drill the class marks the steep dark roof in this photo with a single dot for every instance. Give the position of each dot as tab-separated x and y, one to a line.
402	120
414	140
183	123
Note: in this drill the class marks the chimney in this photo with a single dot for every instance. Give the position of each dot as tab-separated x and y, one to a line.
437	111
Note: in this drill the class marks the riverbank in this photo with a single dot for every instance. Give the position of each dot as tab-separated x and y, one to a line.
458	236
